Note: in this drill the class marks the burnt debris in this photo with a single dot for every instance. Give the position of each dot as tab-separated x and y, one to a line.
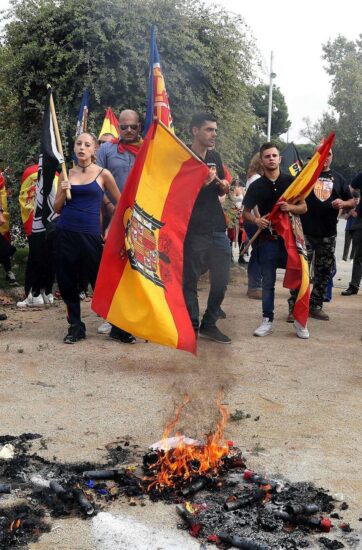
229	506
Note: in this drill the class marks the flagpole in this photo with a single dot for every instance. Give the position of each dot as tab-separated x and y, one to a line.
59	141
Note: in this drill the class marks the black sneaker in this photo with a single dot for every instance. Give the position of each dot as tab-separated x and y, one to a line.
122	336
221	314
213	333
75	333
350	291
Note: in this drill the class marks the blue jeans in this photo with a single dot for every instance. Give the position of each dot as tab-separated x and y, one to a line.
254	273
271	255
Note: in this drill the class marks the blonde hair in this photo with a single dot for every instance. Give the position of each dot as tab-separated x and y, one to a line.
255	166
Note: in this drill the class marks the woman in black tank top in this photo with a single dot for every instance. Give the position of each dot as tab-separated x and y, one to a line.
79	241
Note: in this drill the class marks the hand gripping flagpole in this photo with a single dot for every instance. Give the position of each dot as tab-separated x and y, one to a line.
59	142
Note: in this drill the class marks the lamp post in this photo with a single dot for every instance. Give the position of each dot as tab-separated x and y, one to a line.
271	77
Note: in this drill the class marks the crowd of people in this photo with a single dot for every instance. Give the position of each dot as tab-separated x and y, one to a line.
224	217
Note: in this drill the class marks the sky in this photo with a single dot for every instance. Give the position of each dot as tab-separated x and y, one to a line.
295	32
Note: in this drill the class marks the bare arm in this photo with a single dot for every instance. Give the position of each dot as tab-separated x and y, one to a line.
110	185
261	221
61	197
339	203
299	208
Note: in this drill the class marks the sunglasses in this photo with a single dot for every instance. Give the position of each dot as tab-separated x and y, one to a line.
126	126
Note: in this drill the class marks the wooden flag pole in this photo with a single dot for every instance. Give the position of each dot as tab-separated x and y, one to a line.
59	141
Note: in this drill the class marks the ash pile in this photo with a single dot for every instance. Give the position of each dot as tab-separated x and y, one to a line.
216	498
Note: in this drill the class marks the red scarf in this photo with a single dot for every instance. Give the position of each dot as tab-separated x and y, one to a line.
132	148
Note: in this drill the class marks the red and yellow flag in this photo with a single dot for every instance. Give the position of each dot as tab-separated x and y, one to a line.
5	227
139	284
290	229
158	105
110	124
27	196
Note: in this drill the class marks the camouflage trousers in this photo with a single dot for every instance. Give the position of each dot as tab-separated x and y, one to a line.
320	251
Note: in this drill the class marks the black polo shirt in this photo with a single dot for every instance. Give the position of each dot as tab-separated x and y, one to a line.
264	193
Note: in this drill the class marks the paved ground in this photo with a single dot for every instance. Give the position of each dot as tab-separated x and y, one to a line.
305	394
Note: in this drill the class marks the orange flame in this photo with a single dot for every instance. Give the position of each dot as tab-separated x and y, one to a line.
185	460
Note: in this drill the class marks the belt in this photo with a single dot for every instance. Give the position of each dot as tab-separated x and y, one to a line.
268	237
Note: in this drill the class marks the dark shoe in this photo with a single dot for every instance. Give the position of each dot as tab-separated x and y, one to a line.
317	313
75	333
11	279
213	333
350	291
221	314
122	336
254	294
290	318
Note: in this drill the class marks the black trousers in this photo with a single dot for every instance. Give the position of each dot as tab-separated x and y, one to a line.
202	253
40	267
77	254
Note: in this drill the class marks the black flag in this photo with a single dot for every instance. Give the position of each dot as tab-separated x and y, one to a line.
49	160
291	163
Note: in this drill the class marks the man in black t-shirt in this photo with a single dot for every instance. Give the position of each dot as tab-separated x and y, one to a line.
264	193
330	194
204	244
357	243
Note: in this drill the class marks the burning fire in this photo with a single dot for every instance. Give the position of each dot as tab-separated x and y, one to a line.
185	460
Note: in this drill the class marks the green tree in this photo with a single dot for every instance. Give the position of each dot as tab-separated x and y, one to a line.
206	56
280	122
344	66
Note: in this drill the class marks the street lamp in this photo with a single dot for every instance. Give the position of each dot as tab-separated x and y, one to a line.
271	77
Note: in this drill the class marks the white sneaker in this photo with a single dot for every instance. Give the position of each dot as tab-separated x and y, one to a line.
104	328
302	332
36	301
48	298
265	328
26	302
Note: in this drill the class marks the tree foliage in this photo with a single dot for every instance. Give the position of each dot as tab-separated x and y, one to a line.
206	55
280	122
344	66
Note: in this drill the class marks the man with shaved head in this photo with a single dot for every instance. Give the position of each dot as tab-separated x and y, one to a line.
118	156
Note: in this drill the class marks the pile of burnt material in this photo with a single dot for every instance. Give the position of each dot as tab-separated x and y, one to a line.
217	498
231	506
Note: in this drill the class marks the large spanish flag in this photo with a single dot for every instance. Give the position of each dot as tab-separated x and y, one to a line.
289	227
139	284
27	196
110	124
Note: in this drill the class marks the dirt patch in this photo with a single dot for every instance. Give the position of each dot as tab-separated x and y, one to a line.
305	394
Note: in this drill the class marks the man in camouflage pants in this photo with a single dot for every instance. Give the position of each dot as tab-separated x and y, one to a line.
330	194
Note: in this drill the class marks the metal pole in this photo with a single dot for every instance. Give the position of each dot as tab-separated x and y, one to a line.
270	95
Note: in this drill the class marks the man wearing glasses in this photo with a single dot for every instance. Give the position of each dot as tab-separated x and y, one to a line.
118	156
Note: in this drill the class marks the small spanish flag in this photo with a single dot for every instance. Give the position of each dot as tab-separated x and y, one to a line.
139	284
27	196
157	101
110	124
290	229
